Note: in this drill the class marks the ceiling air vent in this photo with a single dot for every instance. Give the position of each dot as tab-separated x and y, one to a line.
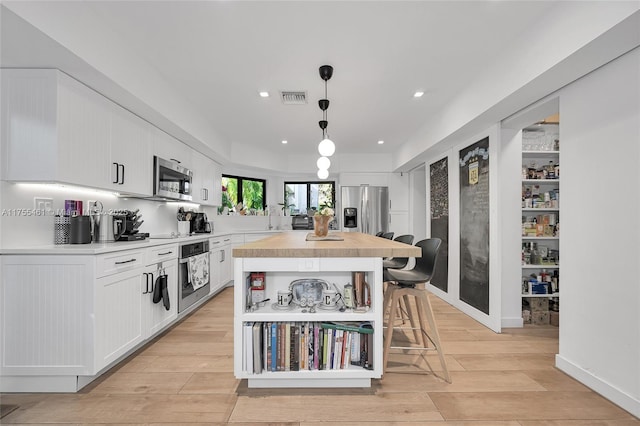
293	97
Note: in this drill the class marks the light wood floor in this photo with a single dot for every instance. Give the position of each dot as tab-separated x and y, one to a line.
186	376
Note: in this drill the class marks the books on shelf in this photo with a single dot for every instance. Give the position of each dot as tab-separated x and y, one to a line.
295	346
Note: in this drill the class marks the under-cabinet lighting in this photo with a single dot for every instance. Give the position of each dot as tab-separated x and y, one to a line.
66	188
185	204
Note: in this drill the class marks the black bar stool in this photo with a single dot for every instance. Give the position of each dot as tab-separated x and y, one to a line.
402	283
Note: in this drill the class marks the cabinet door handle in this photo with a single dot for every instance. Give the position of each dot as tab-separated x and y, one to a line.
152	282
164	254
206	194
223	256
228	239
177	161
122	176
202	194
146	283
117	173
125	261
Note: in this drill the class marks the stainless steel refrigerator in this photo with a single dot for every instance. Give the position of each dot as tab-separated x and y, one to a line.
365	209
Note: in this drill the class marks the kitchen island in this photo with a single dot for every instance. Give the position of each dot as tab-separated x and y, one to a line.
283	260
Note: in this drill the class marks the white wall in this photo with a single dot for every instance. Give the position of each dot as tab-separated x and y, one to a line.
418	203
600	236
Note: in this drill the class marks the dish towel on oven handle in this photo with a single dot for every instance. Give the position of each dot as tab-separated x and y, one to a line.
199	270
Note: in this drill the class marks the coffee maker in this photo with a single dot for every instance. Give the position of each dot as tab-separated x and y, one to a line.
200	224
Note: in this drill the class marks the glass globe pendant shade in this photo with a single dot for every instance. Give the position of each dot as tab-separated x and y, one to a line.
323	173
323	163
326	148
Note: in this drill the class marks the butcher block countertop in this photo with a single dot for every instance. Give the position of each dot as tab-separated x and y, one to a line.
354	244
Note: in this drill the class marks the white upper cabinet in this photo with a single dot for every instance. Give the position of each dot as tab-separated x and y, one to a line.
53	129
169	148
206	179
130	166
56	129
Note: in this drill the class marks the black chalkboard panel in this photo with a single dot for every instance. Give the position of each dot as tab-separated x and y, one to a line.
474	225
439	200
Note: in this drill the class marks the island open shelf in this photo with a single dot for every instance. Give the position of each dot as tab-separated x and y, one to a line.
287	257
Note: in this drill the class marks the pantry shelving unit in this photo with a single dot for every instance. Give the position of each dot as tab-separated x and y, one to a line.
540	209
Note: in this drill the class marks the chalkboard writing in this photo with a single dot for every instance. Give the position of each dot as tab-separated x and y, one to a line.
439	201
474	225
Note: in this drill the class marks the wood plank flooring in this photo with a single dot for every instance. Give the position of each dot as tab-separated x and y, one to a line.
186	376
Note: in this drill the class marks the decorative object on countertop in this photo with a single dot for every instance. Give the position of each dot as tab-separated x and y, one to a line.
321	222
61	229
80	232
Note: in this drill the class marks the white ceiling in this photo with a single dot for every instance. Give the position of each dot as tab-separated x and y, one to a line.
217	55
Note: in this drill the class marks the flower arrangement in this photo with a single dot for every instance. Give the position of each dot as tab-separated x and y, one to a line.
326	211
321	221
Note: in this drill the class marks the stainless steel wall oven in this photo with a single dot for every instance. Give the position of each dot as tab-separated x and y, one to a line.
193	274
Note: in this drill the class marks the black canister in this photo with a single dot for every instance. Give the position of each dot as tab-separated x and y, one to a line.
80	230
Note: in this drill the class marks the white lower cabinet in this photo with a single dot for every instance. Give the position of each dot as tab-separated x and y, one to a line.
119	315
81	313
156	316
221	262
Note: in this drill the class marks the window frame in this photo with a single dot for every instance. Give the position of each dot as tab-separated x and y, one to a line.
308	184
240	192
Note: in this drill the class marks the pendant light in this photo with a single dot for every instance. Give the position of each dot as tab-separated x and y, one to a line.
326	148
323	163
323	173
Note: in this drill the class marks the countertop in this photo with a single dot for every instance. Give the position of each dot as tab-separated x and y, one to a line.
355	244
100	248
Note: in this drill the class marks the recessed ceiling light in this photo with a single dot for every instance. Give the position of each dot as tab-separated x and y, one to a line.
380	142
264	94
284	142
418	94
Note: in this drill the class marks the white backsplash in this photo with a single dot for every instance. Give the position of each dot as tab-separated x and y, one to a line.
22	226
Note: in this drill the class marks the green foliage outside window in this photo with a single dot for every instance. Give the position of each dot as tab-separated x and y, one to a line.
250	192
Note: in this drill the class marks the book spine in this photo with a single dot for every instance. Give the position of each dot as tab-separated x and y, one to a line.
316	345
295	362
274	345
287	348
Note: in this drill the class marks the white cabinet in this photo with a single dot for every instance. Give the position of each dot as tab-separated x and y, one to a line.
398	192
279	274
221	262
169	148
207	188
155	315
82	314
80	136
67	124
119	316
130	166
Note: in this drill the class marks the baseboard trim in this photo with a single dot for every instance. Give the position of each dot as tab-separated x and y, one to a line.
515	322
613	394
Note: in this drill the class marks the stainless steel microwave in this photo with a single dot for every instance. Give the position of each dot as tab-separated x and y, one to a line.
171	180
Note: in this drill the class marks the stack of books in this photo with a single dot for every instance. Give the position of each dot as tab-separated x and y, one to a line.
295	346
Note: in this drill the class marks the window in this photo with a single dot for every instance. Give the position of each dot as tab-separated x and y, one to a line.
303	196
248	191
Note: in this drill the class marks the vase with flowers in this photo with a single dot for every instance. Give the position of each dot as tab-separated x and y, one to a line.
321	221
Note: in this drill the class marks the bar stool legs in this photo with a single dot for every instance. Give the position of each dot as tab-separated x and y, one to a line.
425	325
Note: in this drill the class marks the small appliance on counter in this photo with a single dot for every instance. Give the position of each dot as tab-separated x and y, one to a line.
200	224
302	222
129	222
